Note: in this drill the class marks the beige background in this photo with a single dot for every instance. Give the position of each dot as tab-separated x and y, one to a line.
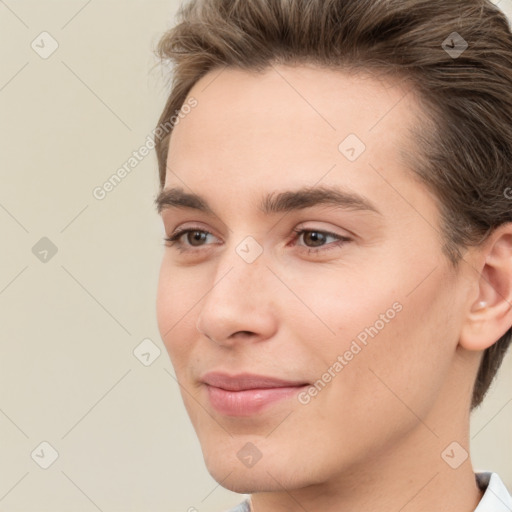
69	326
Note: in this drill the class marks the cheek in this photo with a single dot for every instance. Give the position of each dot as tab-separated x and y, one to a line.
165	302
175	311
390	322
343	303
405	362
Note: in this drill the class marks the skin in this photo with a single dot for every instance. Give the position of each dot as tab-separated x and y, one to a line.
372	439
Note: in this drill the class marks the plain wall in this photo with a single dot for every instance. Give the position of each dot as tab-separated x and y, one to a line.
69	324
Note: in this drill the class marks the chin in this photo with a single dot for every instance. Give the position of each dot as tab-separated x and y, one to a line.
268	474
248	481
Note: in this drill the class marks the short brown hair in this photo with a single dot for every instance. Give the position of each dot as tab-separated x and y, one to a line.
464	146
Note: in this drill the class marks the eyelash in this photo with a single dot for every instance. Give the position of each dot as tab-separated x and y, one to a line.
174	239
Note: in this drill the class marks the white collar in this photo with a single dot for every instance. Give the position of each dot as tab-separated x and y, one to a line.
496	497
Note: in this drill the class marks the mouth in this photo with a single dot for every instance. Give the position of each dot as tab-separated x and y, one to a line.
248	394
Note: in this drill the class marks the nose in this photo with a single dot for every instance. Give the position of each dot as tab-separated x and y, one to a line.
240	305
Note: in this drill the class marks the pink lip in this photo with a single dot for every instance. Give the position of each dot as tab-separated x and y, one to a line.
246	394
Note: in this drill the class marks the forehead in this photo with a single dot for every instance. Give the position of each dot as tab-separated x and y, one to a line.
252	132
295	112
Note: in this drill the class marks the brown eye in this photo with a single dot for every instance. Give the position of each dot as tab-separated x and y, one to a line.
193	238
315	241
317	238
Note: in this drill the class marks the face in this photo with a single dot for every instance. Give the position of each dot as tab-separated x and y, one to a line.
310	299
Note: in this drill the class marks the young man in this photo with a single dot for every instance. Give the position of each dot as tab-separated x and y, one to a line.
336	289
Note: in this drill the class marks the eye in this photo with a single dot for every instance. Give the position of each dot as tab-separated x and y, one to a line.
196	237
199	236
318	239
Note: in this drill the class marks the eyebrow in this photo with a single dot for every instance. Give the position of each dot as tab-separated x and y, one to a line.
275	202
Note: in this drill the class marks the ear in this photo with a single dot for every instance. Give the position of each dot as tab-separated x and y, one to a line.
489	317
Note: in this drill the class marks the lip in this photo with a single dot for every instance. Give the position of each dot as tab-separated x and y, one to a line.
244	381
246	394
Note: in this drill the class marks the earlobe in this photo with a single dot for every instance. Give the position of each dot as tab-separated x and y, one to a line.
490	316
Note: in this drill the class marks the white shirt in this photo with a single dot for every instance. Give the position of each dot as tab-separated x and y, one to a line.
496	497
